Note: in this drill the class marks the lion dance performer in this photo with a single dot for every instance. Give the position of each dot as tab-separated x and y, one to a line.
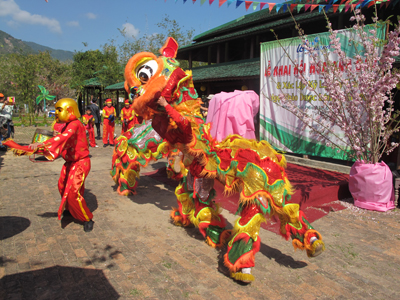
128	117
253	169
134	149
108	123
72	145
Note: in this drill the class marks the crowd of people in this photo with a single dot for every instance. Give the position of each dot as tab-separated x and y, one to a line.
93	118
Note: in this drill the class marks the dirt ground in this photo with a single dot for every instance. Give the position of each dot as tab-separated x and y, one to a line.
135	252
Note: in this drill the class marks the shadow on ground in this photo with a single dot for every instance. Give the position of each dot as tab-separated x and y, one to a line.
271	253
91	202
56	282
146	190
10	226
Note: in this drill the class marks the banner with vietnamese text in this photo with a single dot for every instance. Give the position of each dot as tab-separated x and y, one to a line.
280	75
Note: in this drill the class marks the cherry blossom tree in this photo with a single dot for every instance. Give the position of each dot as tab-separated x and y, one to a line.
358	96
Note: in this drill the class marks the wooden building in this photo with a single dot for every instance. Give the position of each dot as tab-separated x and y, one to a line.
231	51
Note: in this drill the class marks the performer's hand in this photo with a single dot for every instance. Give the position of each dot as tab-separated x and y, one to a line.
34	146
55	133
161	101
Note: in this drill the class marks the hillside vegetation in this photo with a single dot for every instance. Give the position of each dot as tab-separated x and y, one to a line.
9	44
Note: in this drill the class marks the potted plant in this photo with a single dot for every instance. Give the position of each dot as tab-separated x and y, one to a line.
359	101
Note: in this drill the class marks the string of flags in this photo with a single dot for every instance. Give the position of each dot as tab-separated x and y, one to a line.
310	5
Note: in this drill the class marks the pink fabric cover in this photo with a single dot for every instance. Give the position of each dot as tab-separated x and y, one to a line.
233	113
372	186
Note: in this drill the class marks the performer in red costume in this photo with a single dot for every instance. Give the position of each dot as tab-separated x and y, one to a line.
88	120
128	117
108	123
72	145
248	167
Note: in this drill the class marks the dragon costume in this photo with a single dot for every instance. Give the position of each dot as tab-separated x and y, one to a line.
252	169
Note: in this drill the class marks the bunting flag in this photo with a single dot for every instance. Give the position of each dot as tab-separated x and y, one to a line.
238	3
271	6
335	5
248	3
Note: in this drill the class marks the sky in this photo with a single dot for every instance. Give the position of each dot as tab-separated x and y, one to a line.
69	24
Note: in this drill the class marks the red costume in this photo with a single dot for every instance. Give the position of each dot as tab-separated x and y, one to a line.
108	125
129	118
88	120
252	169
72	145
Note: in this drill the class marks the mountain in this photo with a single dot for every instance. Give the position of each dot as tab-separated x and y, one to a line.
9	44
61	55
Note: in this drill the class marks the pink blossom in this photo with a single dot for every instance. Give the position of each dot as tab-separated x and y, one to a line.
359	98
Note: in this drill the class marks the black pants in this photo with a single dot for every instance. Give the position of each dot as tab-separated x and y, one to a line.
98	129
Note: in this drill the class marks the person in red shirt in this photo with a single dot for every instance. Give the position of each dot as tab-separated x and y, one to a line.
108	123
72	145
129	117
88	121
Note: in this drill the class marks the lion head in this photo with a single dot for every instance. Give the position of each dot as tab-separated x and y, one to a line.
150	77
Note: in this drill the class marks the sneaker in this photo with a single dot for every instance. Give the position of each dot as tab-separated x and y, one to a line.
105	145
96	146
317	248
246	270
248	277
88	226
112	145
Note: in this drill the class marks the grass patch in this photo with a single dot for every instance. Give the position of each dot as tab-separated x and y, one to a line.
166	264
135	292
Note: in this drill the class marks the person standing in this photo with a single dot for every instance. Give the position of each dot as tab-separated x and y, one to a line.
108	123
128	117
6	110
88	121
72	145
97	118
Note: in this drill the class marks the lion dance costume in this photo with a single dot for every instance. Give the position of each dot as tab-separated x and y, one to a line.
72	145
253	169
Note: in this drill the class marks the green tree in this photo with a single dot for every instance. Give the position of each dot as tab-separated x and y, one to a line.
22	73
153	42
27	72
84	67
112	70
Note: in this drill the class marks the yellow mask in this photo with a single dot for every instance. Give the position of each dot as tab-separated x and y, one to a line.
66	110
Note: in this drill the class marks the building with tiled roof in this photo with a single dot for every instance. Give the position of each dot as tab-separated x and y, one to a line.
232	50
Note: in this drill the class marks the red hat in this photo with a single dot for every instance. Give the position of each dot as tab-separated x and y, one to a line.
108	101
126	101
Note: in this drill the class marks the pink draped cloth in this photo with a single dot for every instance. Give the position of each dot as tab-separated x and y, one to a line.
371	186
233	113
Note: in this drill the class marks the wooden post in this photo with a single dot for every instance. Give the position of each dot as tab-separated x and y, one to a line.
117	103
226	52
252	47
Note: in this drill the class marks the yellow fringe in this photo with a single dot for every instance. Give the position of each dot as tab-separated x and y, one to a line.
242	277
310	253
252	228
207	214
